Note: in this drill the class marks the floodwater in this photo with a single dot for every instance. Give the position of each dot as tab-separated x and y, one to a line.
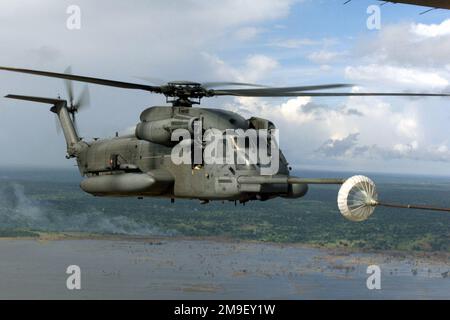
209	269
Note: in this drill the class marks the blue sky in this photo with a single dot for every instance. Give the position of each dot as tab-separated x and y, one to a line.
275	42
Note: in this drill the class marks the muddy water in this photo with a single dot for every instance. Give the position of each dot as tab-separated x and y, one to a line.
200	269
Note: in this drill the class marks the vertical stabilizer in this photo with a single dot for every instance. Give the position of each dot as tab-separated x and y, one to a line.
61	110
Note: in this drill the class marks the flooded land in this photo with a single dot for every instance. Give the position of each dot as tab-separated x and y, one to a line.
165	268
279	249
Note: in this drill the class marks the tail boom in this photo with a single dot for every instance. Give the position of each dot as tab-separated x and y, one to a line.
60	109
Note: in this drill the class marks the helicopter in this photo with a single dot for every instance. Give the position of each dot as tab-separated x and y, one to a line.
142	164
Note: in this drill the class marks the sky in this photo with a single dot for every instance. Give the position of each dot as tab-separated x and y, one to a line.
272	42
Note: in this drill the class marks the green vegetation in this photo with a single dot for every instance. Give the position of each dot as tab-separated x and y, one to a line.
315	223
54	203
18	233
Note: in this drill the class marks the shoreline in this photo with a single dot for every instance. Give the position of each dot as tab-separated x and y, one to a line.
433	256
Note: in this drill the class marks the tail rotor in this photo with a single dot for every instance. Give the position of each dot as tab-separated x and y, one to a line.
81	102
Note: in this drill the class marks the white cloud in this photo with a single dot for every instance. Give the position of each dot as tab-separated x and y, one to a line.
258	66
407	127
339	147
405	149
431	30
188	40
117	40
255	68
361	127
324	56
295	43
350	148
400	77
293	110
408	45
248	33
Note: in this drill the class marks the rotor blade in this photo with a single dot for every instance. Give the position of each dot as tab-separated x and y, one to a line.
75	126
84	99
74	120
373	94
35	99
69	85
224	84
324	94
258	92
157	81
105	82
279	91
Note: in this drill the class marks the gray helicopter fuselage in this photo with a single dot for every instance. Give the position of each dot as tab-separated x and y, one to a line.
146	163
134	166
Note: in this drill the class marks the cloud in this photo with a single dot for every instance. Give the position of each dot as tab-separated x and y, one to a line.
408	45
222	40
431	30
353	112
118	41
46	54
361	130
398	77
339	147
324	56
298	110
407	127
248	33
296	43
350	147
256	68
364	128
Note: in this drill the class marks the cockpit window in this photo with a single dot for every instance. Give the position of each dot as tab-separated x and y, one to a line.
245	155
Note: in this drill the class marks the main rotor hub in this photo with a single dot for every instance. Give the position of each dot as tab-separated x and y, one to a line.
184	92
184	83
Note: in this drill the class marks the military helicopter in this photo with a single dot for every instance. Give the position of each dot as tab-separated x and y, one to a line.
141	164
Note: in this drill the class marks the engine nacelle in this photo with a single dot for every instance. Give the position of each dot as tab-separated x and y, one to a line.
260	124
160	131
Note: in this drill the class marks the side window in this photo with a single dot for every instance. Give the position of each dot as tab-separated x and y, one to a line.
114	162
